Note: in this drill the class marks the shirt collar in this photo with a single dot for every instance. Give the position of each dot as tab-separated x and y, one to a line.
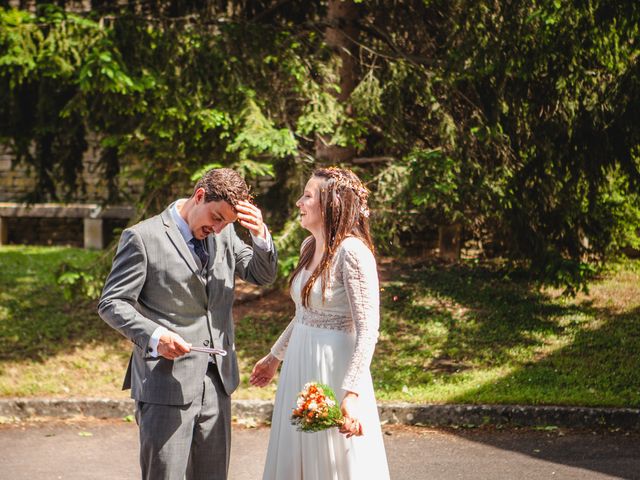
185	231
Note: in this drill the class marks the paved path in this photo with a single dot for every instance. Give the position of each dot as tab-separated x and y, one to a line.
106	450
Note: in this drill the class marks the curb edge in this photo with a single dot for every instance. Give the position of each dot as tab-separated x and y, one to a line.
625	419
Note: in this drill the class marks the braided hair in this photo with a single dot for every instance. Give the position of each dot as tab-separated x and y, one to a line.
344	211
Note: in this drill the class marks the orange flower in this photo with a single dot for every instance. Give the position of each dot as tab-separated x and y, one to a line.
316	408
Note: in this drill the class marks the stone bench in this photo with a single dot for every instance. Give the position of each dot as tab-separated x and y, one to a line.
93	216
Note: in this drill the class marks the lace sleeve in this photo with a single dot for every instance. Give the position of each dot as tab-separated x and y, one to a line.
360	278
280	347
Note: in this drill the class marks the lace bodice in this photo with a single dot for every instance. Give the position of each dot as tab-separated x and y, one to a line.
351	305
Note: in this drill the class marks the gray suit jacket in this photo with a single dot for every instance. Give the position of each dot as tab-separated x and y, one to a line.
154	281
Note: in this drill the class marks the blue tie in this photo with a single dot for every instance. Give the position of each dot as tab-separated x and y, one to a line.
200	251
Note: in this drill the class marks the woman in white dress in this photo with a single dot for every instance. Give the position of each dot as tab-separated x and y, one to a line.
330	340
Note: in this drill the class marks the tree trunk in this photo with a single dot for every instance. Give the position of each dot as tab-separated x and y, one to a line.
341	36
450	242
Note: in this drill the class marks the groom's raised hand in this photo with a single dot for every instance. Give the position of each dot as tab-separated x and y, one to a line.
250	217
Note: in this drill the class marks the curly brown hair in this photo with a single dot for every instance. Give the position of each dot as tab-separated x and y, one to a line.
345	213
223	184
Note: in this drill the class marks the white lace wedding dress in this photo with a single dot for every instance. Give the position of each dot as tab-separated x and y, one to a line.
331	342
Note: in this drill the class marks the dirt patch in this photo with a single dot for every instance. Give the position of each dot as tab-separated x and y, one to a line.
251	300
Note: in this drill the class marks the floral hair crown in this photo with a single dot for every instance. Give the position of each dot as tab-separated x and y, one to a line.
346	179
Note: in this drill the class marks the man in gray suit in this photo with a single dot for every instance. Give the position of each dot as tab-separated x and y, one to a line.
170	288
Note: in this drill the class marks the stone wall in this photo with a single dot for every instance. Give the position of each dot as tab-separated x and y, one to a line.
17	180
57	231
45	231
71	5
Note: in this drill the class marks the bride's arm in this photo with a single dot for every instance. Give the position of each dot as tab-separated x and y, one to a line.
264	371
360	278
280	347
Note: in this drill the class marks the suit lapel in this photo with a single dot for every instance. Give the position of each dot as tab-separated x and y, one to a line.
176	238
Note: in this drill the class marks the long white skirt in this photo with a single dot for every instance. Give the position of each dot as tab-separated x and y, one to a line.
322	355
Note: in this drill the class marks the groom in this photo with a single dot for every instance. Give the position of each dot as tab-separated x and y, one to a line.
171	288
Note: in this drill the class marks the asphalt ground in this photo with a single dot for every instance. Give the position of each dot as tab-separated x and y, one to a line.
81	449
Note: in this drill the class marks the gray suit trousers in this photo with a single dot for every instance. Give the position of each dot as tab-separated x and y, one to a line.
193	438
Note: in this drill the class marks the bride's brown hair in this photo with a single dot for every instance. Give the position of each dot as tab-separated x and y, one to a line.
344	211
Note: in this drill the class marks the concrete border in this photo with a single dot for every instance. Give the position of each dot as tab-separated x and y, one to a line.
625	419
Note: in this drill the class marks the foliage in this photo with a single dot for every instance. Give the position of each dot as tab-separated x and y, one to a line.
520	120
519	127
80	282
288	243
199	109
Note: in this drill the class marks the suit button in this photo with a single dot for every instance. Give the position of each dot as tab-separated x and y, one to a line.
206	343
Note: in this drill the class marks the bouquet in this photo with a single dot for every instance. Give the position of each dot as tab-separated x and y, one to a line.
316	409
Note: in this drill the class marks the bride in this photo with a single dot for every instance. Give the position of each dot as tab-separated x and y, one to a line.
330	340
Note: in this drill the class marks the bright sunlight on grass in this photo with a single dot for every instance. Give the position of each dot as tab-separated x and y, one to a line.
51	346
470	334
464	334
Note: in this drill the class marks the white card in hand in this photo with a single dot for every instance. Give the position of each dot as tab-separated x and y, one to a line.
215	351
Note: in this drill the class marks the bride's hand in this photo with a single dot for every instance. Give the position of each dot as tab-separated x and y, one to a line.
349	407
264	370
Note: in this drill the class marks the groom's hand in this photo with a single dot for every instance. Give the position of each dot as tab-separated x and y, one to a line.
250	217
171	346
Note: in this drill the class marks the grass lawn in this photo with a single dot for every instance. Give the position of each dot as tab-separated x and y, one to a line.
470	334
463	334
49	345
